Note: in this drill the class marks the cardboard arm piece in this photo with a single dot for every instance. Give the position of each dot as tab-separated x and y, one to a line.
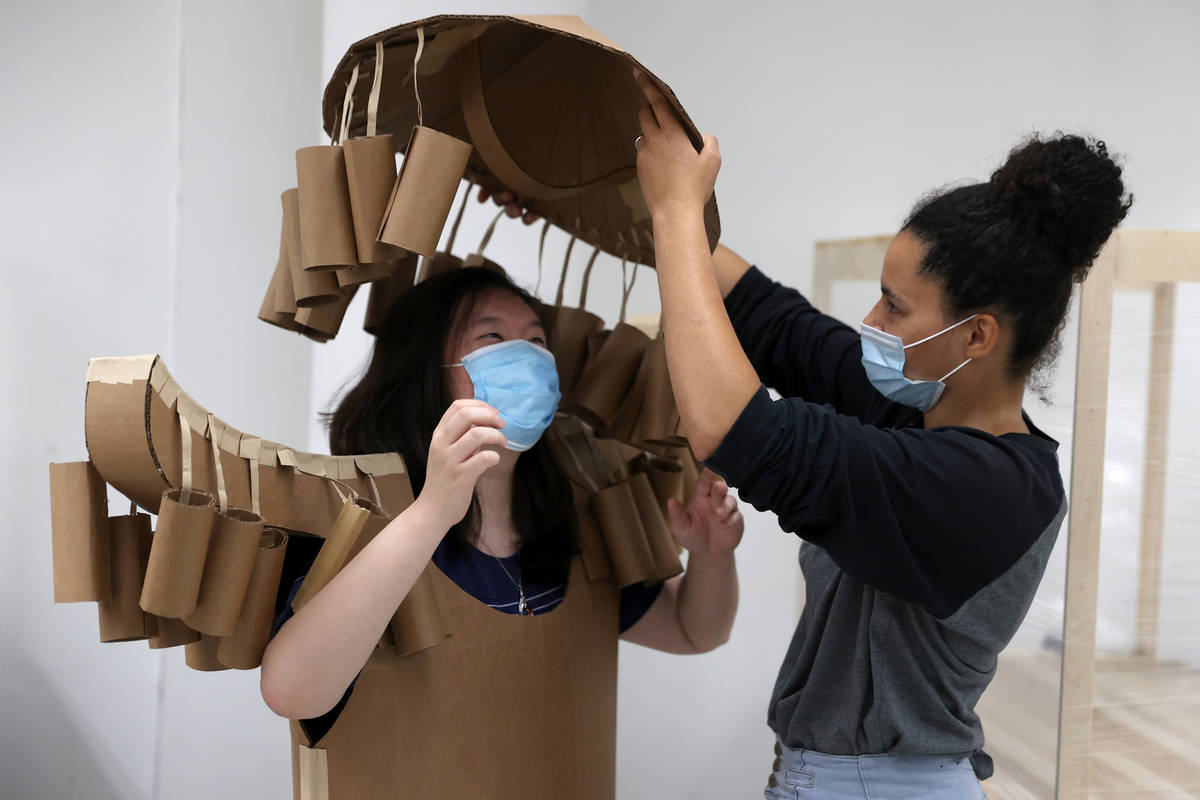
134	440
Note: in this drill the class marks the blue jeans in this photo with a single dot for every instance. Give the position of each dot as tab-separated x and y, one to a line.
809	775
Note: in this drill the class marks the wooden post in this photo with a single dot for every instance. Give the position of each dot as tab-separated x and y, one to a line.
1083	543
1155	473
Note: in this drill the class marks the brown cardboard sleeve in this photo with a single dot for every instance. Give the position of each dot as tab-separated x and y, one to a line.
79	533
172	633
185	521
227	567
370	174
621	525
424	191
326	224
608	378
309	287
244	648
324	321
202	654
121	618
570	330
386	291
335	550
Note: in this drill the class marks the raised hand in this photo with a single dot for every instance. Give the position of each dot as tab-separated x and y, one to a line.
457	458
710	524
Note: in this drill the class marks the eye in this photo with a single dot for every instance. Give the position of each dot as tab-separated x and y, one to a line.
892	308
493	333
539	341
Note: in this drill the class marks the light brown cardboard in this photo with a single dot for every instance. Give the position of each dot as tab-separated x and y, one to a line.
658	533
437	264
227	566
79	533
202	654
424	191
323	322
621	525
171	633
559	110
370	173
326	226
185	522
309	287
332	555
243	649
279	303
569	337
367	273
121	618
608	377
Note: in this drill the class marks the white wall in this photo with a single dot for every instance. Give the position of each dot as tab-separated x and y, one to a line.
140	202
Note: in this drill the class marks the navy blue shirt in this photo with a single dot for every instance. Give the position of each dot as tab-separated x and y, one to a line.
482	577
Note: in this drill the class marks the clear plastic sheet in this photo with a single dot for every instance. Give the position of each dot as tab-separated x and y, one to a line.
1130	704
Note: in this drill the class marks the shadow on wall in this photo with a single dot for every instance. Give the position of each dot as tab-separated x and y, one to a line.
29	770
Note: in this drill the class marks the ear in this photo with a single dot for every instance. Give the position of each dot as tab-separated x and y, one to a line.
983	336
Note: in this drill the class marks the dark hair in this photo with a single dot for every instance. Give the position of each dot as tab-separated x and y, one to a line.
1016	244
403	394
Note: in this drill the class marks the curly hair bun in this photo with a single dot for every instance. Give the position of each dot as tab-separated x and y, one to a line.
1067	192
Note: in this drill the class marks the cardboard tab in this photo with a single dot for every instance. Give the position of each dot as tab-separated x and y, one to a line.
79	533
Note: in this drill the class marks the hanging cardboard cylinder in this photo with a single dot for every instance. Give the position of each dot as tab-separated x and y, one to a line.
279	304
607	378
323	322
79	533
659	417
386	291
227	567
424	191
244	648
662	542
326	224
570	330
309	287
121	618
202	654
370	174
332	555
617	515
625	419
480	260
366	273
172	633
437	264
666	478
176	567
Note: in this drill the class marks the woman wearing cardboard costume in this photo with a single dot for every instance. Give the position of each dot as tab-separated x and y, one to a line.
508	700
926	499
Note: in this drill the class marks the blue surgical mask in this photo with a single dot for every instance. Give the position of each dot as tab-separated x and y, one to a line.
520	380
883	358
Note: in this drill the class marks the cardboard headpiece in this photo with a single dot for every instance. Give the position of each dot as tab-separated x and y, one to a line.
549	105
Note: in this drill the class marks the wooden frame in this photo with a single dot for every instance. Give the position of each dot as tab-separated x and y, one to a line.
1146	259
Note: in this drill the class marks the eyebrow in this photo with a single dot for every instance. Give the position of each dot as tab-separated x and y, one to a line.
533	323
889	293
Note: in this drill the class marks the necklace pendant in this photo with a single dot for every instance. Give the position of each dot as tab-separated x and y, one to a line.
521	607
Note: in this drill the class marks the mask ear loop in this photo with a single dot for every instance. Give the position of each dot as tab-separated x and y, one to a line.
943	330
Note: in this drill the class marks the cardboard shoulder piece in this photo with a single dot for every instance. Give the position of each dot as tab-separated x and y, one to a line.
135	441
549	105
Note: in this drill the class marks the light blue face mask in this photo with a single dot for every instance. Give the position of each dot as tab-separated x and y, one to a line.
520	380
883	358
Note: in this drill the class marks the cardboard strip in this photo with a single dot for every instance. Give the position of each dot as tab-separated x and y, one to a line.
121	618
232	548
176	565
424	191
215	433
125	369
314	773
332	555
376	85
79	533
244	648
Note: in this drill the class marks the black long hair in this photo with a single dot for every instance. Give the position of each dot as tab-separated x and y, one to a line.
403	394
1017	244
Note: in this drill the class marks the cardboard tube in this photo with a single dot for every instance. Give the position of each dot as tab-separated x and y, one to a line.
386	291
279	304
625	418
121	618
244	648
332	555
659	416
202	654
324	321
608	378
424	191
172	633
417	623
366	273
231	551
437	264
176	567
619	521
570	329
79	533
370	174
326	224
662	542
310	288
666	478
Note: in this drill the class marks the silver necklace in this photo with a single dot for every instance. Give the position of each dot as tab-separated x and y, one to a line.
522	608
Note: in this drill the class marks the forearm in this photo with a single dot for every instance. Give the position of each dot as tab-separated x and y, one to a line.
318	652
708	599
711	376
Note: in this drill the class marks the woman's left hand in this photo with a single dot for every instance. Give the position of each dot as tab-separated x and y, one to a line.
674	177
710	524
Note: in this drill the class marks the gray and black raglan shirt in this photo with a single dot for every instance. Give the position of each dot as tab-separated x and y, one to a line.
922	549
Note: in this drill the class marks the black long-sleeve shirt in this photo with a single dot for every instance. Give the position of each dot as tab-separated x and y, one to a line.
922	547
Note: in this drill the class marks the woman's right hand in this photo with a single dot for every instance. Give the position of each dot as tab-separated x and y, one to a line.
456	458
